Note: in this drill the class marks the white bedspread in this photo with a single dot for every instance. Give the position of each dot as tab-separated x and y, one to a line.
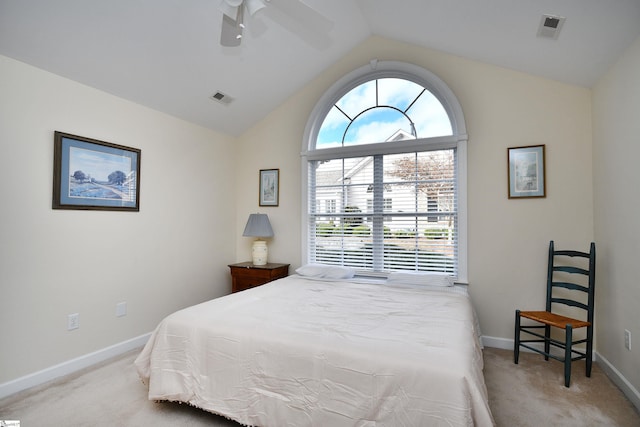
300	352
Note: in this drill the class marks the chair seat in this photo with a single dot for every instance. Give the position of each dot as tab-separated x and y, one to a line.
553	319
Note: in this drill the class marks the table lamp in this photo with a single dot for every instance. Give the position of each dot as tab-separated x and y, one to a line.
258	226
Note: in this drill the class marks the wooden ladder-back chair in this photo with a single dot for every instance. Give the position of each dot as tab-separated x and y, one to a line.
562	278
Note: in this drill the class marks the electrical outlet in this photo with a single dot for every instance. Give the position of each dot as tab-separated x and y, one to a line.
121	309
73	321
627	339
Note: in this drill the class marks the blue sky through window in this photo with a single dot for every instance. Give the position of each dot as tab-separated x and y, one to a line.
375	110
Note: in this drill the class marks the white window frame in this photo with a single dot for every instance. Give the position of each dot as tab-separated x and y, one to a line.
458	139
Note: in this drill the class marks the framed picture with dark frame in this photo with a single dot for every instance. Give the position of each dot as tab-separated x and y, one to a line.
94	175
526	172
269	187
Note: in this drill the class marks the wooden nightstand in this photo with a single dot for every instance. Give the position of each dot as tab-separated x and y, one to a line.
245	275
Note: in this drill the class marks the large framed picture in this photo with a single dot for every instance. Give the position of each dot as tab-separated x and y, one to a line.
94	175
269	187
526	172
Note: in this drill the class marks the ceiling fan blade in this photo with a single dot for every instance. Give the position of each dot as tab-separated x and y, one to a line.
300	19
254	6
231	34
303	15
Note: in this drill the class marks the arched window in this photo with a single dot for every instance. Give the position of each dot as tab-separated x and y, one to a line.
384	171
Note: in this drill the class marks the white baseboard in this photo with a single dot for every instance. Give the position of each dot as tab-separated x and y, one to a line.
494	342
618	379
70	366
614	375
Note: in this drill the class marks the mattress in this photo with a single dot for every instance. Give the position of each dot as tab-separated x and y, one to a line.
302	352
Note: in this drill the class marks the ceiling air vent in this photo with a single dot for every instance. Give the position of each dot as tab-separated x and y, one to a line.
222	98
550	26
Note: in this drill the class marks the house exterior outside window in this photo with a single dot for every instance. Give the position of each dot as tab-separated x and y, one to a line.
386	144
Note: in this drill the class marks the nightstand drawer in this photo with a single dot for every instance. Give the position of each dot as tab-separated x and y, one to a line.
248	278
245	275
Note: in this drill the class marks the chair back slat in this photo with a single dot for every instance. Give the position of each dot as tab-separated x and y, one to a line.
572	286
570	302
573	254
565	290
570	269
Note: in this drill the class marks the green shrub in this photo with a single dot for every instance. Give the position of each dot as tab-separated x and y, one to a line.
361	230
436	233
325	229
404	234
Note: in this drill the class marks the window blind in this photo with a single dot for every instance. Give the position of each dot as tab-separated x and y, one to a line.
385	212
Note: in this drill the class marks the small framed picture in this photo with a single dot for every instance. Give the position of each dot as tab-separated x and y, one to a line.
94	175
526	172
269	187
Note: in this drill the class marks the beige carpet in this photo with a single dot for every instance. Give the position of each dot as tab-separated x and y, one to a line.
532	393
529	394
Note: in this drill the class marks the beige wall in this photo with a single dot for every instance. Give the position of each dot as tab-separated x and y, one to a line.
616	103
508	239
171	254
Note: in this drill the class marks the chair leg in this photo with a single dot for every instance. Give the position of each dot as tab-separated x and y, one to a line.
516	340
567	355
547	341
589	358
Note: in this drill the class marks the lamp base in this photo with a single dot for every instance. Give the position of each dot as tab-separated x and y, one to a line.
259	252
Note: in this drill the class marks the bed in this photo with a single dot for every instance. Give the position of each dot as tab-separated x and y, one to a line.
303	351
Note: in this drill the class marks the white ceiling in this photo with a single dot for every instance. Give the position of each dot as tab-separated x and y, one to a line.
165	54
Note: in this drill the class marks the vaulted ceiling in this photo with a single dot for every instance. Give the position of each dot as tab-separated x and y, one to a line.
166	54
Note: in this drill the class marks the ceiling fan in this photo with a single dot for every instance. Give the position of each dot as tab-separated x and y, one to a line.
293	15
